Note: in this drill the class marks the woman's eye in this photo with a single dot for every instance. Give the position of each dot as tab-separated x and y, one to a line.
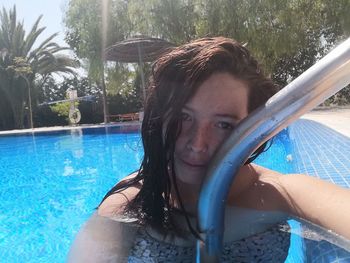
185	116
225	125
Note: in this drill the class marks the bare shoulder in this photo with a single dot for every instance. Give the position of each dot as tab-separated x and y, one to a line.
248	176
257	187
115	203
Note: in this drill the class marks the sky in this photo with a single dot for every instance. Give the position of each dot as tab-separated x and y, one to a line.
28	11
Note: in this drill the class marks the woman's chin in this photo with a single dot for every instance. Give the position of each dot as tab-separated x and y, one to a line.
191	178
189	174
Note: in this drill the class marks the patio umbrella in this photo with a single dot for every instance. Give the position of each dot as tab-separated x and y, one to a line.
138	49
132	50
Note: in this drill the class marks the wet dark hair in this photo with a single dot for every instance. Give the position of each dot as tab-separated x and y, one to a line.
175	78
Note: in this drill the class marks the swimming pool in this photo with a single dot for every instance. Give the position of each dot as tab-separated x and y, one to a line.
51	183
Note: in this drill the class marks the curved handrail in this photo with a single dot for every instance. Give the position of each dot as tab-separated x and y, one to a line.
315	85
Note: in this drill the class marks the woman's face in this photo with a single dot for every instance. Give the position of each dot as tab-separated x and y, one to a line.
220	103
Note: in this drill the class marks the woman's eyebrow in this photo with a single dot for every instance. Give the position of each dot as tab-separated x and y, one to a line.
220	115
228	115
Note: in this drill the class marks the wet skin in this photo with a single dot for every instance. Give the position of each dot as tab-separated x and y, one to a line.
220	103
207	120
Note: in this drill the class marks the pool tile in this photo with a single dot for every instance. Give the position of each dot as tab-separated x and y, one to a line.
321	152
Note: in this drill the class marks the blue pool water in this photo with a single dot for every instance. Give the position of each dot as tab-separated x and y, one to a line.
52	182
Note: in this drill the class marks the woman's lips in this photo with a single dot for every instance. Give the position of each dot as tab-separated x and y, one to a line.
194	164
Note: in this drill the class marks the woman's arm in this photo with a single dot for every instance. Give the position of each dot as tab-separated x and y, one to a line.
318	201
102	240
315	200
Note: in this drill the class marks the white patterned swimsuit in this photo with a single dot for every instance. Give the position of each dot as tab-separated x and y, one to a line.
269	246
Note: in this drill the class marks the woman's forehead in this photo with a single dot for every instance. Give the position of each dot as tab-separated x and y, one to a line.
222	94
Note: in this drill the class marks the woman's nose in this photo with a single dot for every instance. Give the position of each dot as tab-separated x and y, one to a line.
199	139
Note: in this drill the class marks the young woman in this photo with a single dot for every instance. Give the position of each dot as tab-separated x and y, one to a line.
198	94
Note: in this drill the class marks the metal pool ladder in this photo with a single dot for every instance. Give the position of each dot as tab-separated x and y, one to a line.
314	86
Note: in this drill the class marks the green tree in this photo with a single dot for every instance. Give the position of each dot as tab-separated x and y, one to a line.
56	114
23	64
92	26
292	34
286	36
62	109
166	19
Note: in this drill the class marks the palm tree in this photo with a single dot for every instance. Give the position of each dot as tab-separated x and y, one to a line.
23	67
